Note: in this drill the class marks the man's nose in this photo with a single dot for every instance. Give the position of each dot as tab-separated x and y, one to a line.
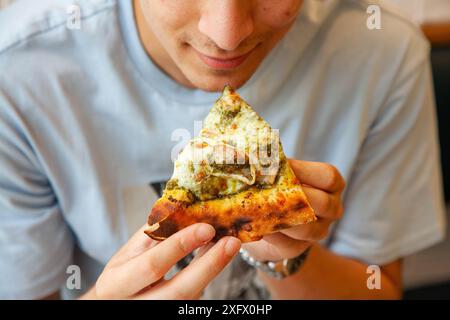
227	22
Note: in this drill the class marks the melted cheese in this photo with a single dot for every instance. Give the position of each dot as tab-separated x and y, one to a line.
235	150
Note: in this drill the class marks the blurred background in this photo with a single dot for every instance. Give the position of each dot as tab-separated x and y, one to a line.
427	274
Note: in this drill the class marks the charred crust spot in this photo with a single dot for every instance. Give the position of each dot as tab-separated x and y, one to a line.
156	216
184	204
166	229
241	224
276	214
211	219
221	232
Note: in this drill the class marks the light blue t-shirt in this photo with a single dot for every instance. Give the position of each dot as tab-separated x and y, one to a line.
88	124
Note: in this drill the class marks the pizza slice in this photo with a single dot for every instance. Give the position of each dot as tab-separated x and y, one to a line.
234	176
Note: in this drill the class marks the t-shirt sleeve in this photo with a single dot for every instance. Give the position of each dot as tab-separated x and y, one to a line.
35	243
393	201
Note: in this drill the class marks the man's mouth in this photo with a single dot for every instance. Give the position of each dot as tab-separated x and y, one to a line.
223	63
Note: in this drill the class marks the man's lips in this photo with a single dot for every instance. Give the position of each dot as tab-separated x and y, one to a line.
223	63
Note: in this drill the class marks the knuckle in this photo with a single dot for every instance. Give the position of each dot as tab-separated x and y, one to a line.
333	177
153	269
327	204
183	244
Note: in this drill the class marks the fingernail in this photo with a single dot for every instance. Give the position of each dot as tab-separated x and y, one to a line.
232	246
204	232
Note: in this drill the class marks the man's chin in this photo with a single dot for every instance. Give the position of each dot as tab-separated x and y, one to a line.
217	83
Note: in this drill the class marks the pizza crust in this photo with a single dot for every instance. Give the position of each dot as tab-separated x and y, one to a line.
248	215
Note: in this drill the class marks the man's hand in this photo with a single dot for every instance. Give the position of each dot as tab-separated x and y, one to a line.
323	186
137	270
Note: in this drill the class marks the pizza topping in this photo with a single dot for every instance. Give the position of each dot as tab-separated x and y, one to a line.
206	173
172	184
236	149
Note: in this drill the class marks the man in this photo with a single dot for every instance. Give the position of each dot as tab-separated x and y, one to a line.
89	119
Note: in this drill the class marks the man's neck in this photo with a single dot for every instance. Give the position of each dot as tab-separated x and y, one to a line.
155	51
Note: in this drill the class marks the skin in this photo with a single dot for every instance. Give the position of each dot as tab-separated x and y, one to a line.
221	29
137	270
172	31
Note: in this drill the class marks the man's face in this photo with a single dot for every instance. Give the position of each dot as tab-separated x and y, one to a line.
210	43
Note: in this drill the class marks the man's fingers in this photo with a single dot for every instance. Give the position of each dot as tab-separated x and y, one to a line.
287	247
309	232
140	272
325	205
192	280
276	246
318	175
138	243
